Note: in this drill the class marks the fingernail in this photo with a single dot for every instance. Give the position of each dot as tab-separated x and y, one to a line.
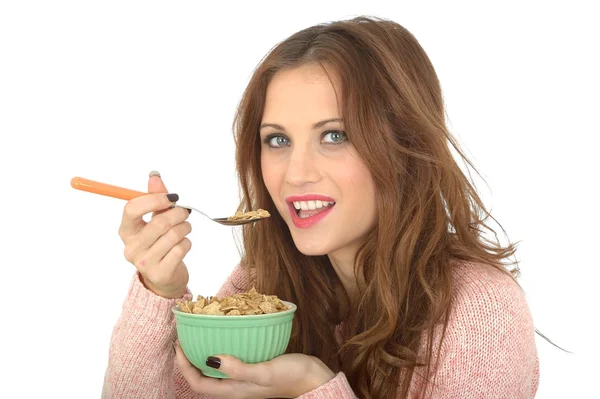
173	197
213	362
154	173
189	210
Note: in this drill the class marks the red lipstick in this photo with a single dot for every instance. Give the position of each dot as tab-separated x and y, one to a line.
304	223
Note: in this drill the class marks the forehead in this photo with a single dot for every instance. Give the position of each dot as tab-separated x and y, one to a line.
305	92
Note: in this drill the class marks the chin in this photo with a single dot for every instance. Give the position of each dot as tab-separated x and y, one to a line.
311	252
311	248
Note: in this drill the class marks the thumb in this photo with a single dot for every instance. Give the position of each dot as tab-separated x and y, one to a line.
156	184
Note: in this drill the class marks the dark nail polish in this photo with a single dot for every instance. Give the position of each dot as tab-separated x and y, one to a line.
189	211
213	362
173	197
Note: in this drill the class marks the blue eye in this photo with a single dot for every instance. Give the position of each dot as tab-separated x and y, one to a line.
276	141
334	137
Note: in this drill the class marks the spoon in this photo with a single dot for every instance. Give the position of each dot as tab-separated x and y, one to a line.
108	190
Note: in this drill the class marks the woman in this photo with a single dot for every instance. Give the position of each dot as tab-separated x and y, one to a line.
341	136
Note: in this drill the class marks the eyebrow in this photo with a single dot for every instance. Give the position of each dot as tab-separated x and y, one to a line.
314	126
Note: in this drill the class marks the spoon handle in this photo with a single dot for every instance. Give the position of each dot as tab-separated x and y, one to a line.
108	190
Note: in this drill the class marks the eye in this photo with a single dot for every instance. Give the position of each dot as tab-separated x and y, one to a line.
276	141
334	137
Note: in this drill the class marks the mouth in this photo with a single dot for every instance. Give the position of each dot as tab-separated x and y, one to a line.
307	210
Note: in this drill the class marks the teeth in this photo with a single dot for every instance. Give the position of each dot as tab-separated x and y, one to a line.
311	205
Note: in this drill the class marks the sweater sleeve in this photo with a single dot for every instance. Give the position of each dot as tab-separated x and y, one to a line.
337	388
141	354
141	360
489	349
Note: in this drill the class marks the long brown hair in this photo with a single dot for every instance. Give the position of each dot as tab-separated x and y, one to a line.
429	213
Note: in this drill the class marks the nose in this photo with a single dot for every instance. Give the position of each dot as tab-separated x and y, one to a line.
302	168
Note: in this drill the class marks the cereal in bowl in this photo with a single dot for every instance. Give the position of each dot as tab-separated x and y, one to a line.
246	303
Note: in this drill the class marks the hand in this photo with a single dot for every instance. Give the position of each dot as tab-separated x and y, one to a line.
158	247
286	376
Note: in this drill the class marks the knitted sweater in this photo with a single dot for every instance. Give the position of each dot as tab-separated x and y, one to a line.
488	352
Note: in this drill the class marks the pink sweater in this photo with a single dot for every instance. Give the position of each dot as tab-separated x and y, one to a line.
489	350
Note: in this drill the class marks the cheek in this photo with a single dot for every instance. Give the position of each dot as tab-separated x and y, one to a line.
360	186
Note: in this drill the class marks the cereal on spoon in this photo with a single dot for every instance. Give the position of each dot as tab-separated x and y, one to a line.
257	214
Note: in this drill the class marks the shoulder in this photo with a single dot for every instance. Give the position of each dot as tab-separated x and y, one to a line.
488	305
489	343
479	286
488	299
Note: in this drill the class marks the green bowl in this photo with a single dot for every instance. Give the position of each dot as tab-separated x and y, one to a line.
252	338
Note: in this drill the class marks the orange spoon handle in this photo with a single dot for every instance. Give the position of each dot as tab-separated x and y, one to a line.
108	190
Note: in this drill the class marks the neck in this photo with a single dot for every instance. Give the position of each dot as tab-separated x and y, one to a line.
342	261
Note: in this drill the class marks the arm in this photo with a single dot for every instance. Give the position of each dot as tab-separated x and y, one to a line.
141	351
141	356
336	388
489	348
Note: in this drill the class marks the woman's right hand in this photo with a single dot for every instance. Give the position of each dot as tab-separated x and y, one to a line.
157	248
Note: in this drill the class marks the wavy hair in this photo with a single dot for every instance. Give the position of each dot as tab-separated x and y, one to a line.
429	213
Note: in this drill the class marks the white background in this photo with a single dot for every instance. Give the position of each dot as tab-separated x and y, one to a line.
113	89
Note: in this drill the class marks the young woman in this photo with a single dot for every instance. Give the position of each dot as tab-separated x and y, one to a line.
376	234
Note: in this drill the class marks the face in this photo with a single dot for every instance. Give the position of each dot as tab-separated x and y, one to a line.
320	186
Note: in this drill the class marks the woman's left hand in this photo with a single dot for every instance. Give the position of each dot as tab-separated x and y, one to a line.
286	376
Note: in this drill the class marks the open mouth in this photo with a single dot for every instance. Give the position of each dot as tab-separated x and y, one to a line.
309	209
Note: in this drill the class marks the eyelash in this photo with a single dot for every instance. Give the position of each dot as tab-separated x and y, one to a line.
269	137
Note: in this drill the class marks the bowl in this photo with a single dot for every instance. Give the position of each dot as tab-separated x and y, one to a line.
250	338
